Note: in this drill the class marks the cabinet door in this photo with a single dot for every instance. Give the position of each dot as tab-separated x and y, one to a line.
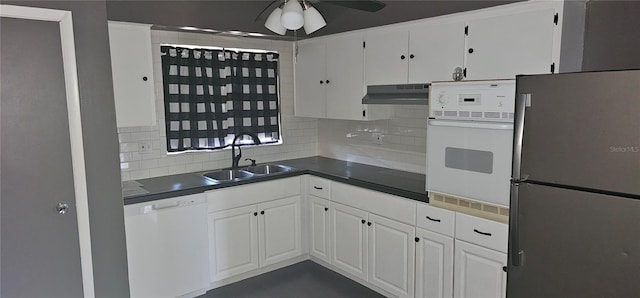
310	80
320	229
505	46
279	230
349	231
437	49
391	255
479	271
434	265
132	71
384	62
233	242
345	76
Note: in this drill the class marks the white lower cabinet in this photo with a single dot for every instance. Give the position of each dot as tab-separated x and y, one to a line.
434	264
250	237
233	242
479	272
320	229
391	255
350	238
279	230
374	248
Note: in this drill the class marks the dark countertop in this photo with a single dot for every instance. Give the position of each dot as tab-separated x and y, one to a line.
395	182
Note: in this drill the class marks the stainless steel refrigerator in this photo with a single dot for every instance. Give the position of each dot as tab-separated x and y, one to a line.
574	227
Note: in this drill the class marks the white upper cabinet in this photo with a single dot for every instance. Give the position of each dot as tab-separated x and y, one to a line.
508	45
435	50
418	54
310	77
386	57
330	79
132	71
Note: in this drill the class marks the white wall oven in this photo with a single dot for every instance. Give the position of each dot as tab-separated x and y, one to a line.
469	139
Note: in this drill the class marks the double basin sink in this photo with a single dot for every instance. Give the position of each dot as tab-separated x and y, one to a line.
247	172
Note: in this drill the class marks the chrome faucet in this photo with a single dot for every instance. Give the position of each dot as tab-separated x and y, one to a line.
235	159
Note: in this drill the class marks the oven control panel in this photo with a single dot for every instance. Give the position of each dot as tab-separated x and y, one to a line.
473	100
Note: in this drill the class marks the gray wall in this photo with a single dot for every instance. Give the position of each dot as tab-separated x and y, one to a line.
612	36
100	143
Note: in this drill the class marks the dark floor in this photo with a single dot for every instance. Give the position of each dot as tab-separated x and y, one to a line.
305	279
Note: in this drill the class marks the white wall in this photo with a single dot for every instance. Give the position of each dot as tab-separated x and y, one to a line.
299	134
403	144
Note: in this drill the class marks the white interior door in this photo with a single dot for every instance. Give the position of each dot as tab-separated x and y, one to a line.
479	271
233	242
320	229
391	255
434	265
350	238
279	230
45	242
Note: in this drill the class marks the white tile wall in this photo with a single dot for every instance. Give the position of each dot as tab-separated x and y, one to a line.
403	143
299	134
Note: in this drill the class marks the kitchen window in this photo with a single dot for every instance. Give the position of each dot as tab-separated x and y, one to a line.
212	94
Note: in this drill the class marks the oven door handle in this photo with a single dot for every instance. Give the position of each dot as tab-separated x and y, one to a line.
472	124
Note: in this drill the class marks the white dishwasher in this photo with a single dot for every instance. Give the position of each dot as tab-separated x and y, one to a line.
167	247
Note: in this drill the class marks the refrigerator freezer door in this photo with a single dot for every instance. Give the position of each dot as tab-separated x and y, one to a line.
583	129
575	244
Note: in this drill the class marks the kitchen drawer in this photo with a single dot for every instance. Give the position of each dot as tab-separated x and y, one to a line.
483	232
436	219
320	187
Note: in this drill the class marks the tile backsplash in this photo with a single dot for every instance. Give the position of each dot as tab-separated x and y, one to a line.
402	145
299	134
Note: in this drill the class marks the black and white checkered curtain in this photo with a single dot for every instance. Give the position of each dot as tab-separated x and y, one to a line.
211	95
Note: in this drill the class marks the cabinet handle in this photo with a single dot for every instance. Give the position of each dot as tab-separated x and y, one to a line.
417	239
369	223
402	57
411	56
363	221
262	212
318	188
327	81
326	209
504	268
482	233
255	214
470	50
433	219
145	78
321	82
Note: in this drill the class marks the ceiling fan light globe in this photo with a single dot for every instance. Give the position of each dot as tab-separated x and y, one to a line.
273	22
313	20
292	17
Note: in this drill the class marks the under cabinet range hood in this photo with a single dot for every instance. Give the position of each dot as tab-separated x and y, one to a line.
402	94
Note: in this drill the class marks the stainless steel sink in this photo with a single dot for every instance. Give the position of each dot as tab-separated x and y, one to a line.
228	175
267	169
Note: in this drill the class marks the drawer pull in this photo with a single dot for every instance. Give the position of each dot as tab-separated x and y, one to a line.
433	219
482	233
318	188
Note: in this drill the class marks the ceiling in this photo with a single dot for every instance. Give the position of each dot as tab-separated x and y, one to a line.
240	15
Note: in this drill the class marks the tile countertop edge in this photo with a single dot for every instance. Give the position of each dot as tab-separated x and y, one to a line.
301	169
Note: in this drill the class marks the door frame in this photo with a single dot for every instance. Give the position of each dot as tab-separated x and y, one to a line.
63	17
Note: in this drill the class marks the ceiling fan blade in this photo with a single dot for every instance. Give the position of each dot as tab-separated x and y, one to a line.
368	5
265	9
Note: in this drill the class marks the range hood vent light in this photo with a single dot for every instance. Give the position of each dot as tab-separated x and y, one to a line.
404	94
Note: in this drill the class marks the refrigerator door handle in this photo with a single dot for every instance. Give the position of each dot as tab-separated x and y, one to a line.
523	100
515	253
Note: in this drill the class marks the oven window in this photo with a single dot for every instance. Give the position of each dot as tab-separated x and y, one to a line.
469	160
